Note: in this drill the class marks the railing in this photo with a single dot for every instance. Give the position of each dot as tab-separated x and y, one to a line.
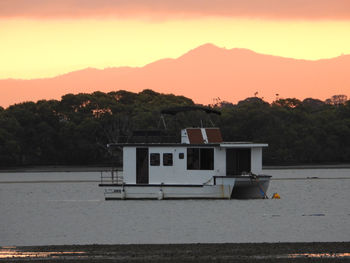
113	176
148	139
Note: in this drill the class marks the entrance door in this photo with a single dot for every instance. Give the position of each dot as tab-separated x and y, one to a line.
142	176
238	161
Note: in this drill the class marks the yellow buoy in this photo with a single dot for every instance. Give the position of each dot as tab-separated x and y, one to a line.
276	196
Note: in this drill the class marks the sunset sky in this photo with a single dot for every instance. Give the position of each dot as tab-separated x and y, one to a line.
41	38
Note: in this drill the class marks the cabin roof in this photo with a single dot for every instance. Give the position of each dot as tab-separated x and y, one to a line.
242	145
221	145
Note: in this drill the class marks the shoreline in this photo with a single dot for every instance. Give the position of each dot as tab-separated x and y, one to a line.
53	169
65	168
307	166
213	252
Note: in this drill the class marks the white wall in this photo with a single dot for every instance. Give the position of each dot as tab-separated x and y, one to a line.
256	163
220	161
129	165
178	173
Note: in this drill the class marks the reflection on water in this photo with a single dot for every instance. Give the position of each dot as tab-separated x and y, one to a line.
320	255
299	255
13	253
6	252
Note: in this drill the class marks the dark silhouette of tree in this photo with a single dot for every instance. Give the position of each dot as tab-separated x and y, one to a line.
337	100
77	128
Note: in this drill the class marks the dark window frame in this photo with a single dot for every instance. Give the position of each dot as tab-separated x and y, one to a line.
193	159
168	159
154	159
200	158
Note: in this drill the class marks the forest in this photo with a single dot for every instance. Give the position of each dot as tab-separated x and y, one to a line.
76	129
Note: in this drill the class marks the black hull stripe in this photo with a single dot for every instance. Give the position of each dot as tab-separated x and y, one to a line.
154	185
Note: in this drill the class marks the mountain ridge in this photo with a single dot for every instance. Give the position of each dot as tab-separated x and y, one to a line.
203	73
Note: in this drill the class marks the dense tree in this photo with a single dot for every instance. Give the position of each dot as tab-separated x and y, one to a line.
337	99
77	128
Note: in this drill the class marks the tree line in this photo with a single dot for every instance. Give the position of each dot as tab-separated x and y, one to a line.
76	129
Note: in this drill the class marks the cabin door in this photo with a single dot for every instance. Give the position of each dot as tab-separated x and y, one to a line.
238	161
142	176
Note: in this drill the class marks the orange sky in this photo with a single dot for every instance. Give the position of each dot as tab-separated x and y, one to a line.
46	38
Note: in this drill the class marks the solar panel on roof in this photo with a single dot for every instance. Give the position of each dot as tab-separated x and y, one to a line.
195	135
213	135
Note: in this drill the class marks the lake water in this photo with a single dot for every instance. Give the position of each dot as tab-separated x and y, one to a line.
46	208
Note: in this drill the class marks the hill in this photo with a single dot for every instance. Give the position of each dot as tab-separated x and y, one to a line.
204	73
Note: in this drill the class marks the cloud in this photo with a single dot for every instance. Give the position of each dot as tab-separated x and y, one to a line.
271	9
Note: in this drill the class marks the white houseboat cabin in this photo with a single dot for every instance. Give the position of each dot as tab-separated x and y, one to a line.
200	166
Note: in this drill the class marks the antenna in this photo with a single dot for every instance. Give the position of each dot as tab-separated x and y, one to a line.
162	120
211	122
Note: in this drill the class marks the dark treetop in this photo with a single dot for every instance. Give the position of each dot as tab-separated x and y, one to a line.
77	129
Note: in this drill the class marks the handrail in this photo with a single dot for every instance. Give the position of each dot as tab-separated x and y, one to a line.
113	176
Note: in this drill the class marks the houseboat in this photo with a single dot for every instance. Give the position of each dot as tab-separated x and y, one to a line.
201	166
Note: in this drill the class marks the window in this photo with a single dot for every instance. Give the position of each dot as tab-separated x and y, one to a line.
192	159
155	159
181	155
167	159
206	159
238	161
200	159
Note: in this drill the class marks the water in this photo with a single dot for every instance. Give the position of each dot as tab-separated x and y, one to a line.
35	209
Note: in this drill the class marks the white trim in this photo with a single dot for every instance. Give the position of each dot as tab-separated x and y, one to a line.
204	135
242	145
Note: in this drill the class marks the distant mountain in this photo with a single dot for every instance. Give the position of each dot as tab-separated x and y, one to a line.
202	74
